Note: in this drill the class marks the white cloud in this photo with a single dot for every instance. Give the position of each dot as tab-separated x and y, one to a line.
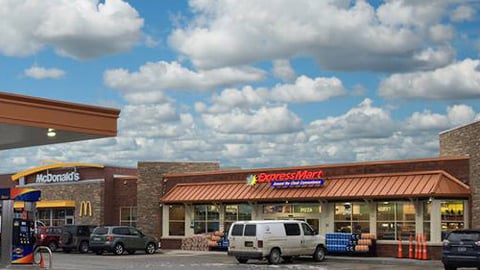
308	90
173	76
460	80
462	13
230	99
353	36
441	33
362	121
44	73
283	70
428	121
266	120
80	29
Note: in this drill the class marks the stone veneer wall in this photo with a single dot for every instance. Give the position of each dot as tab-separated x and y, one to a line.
465	140
92	192
150	188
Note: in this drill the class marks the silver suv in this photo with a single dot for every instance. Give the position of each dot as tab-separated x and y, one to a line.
118	239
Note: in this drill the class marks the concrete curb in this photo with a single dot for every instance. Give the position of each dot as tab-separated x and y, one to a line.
329	258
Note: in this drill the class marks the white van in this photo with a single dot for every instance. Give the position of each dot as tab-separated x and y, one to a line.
274	240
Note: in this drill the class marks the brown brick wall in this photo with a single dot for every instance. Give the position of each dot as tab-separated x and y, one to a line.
111	208
466	141
92	192
125	191
150	190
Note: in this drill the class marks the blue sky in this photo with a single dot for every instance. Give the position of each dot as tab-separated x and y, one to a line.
247	83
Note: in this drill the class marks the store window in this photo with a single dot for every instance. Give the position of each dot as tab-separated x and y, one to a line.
128	216
56	216
427	213
309	213
206	218
452	216
236	212
395	220
176	220
352	217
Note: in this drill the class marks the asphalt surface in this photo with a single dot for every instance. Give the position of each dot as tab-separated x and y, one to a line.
219	260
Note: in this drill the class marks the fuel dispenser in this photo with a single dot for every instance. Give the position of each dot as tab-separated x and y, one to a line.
18	226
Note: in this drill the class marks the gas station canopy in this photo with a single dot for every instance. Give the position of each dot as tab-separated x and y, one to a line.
28	121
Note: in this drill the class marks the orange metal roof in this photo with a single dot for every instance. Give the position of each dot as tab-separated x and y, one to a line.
374	186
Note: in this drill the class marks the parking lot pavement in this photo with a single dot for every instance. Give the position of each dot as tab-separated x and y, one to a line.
179	259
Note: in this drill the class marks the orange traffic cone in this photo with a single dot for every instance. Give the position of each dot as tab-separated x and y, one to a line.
424	255
417	247
42	262
399	251
410	247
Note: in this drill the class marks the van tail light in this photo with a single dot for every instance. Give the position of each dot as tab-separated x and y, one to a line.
109	237
260	243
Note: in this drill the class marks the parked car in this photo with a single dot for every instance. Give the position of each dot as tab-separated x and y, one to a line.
118	239
461	248
274	240
49	236
75	237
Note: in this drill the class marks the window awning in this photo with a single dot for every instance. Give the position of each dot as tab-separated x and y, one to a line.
374	186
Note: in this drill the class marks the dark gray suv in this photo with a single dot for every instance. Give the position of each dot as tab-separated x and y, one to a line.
461	248
75	237
118	239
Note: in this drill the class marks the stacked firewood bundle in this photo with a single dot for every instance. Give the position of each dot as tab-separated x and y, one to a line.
196	242
202	242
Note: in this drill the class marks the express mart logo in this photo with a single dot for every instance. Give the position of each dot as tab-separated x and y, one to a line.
290	179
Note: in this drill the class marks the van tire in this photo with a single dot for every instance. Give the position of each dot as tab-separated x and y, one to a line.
275	256
319	254
241	259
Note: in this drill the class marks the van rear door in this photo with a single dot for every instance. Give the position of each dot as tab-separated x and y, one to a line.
235	239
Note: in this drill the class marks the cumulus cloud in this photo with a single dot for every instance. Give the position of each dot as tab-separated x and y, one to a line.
351	36
230	99
441	33
266	120
460	80
283	70
362	121
79	29
173	76
427	121
39	73
462	13
308	90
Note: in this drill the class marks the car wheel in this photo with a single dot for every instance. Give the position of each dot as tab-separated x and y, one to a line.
288	259
52	246
275	256
151	248
99	252
131	251
118	249
66	250
319	254
83	248
241	259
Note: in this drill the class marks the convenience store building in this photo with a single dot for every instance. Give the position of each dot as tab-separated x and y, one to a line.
391	199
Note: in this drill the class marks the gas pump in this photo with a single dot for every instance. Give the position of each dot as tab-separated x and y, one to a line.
18	227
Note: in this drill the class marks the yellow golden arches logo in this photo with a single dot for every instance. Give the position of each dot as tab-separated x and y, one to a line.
85	209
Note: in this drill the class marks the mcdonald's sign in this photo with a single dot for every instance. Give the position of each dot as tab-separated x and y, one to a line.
85	209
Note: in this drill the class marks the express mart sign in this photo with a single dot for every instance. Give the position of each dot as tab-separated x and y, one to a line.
302	178
58	178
